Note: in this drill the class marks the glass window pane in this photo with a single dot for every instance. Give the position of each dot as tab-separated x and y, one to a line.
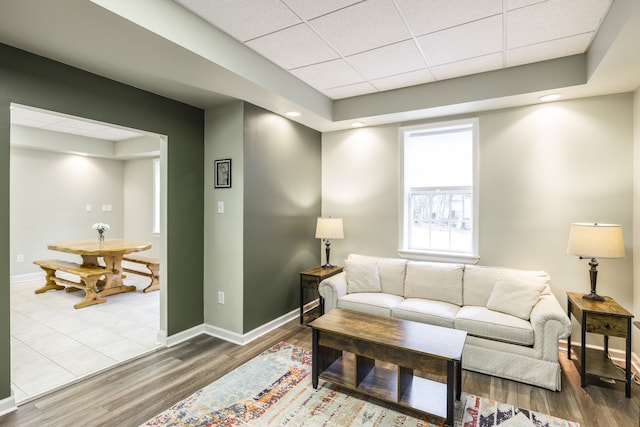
438	167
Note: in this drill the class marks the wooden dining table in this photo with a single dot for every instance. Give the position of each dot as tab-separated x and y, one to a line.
111	251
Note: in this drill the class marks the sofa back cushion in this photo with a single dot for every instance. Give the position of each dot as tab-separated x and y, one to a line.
434	281
391	270
478	281
362	275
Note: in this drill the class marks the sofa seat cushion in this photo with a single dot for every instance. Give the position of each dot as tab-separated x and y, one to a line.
485	323
437	313
370	302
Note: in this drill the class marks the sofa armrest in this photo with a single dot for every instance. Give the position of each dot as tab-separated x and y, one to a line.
331	289
550	323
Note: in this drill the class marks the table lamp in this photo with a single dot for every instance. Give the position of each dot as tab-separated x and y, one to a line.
593	240
327	229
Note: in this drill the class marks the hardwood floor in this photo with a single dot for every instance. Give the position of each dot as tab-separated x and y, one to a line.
131	394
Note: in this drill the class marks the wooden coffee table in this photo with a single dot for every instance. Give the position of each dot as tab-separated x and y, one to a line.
404	345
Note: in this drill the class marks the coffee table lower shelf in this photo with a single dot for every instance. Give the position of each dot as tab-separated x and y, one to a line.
398	386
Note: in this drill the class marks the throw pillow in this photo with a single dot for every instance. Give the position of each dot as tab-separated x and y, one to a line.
392	272
515	296
362	276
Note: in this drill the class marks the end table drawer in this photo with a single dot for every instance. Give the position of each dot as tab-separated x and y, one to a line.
309	281
607	325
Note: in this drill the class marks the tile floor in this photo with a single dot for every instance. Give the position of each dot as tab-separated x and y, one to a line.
53	344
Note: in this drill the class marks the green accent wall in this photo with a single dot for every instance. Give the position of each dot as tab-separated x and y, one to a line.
39	82
282	188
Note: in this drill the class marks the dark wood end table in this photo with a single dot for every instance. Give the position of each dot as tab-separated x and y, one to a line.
310	279
606	318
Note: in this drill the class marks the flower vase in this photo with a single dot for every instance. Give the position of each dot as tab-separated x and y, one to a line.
100	238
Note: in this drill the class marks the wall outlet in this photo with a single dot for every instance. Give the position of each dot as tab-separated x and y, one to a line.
220	297
20	258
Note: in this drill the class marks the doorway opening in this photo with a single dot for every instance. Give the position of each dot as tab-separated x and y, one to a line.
68	174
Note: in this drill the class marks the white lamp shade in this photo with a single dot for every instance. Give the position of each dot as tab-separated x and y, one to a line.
592	240
329	228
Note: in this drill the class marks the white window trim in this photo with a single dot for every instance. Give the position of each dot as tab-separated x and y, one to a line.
403	203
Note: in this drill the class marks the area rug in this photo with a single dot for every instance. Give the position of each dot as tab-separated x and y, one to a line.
275	389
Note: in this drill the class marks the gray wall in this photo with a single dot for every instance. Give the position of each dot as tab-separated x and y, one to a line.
255	250
281	204
32	80
223	243
541	167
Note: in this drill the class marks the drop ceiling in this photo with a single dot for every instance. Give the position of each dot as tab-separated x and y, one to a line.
346	48
56	122
338	61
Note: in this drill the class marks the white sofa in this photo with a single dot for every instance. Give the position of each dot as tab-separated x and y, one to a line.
512	319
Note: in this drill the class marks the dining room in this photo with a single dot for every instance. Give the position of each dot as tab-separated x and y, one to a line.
68	174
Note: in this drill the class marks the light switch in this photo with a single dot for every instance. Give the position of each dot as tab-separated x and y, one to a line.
88	208
220	206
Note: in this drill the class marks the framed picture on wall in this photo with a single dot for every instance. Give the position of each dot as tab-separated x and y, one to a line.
222	171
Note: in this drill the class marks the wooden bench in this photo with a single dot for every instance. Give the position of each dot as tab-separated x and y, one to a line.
153	264
89	276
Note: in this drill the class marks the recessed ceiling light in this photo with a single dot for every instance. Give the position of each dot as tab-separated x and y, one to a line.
550	97
357	124
292	114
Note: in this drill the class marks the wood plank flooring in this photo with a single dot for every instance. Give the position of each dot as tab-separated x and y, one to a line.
131	394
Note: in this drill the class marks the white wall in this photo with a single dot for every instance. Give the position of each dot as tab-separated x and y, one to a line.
542	167
636	213
49	193
138	203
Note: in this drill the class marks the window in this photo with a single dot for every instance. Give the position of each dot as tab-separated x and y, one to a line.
156	196
439	205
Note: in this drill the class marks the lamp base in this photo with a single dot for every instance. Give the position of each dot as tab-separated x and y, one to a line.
593	297
328	266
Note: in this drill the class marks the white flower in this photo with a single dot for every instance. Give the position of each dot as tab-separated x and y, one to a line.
100	227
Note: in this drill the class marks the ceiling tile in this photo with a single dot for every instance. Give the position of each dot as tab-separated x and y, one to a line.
549	50
388	60
350	90
293	47
363	26
515	4
328	74
56	122
477	38
552	20
309	9
244	19
403	80
476	65
427	16
313	39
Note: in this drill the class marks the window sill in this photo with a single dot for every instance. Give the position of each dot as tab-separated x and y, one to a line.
437	256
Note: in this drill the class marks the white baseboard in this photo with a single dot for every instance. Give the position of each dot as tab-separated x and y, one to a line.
29	277
180	337
243	339
8	405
